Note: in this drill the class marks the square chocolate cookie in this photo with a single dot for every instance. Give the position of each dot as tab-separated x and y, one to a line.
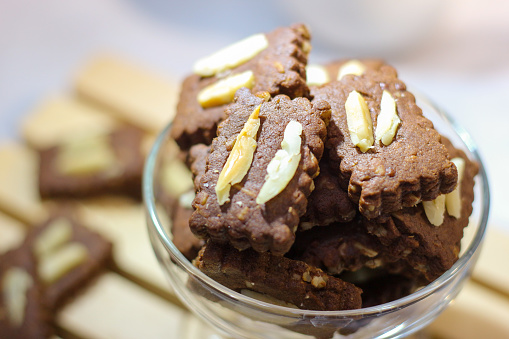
386	152
68	255
274	62
88	166
260	172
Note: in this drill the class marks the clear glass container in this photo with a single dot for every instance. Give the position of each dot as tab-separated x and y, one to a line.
240	316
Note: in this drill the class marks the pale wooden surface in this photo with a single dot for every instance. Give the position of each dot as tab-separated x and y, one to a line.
478	312
19	196
39	129
493	267
114	307
132	95
12	231
122	221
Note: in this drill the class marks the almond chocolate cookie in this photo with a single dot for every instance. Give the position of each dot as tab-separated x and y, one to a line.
274	62
68	255
93	165
288	280
386	152
260	172
421	241
407	243
433	228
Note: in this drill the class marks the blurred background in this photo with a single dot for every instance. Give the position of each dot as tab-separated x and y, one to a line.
455	51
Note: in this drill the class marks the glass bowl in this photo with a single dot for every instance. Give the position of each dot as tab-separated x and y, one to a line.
241	316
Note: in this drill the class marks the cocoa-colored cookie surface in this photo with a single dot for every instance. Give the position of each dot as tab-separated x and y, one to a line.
278	69
406	243
243	222
328	203
197	160
123	177
386	288
415	166
343	247
288	280
194	124
185	241
34	321
435	248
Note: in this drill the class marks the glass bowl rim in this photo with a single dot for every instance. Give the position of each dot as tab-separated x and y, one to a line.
178	257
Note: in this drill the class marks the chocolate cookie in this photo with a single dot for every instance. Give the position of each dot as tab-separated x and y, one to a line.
435	247
185	241
197	161
250	195
22	310
68	255
387	163
288	280
93	165
328	203
179	206
278	68
341	247
406	243
386	288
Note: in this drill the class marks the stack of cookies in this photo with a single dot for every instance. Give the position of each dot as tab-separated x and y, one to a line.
322	186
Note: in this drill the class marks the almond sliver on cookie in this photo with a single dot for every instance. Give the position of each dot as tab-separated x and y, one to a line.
240	158
231	56
55	235
223	91
316	75
435	209
86	155
60	261
388	119
353	66
453	199
359	121
282	167
15	285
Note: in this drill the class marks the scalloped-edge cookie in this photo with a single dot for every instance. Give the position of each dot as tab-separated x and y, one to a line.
277	69
292	282
383	177
239	219
436	247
